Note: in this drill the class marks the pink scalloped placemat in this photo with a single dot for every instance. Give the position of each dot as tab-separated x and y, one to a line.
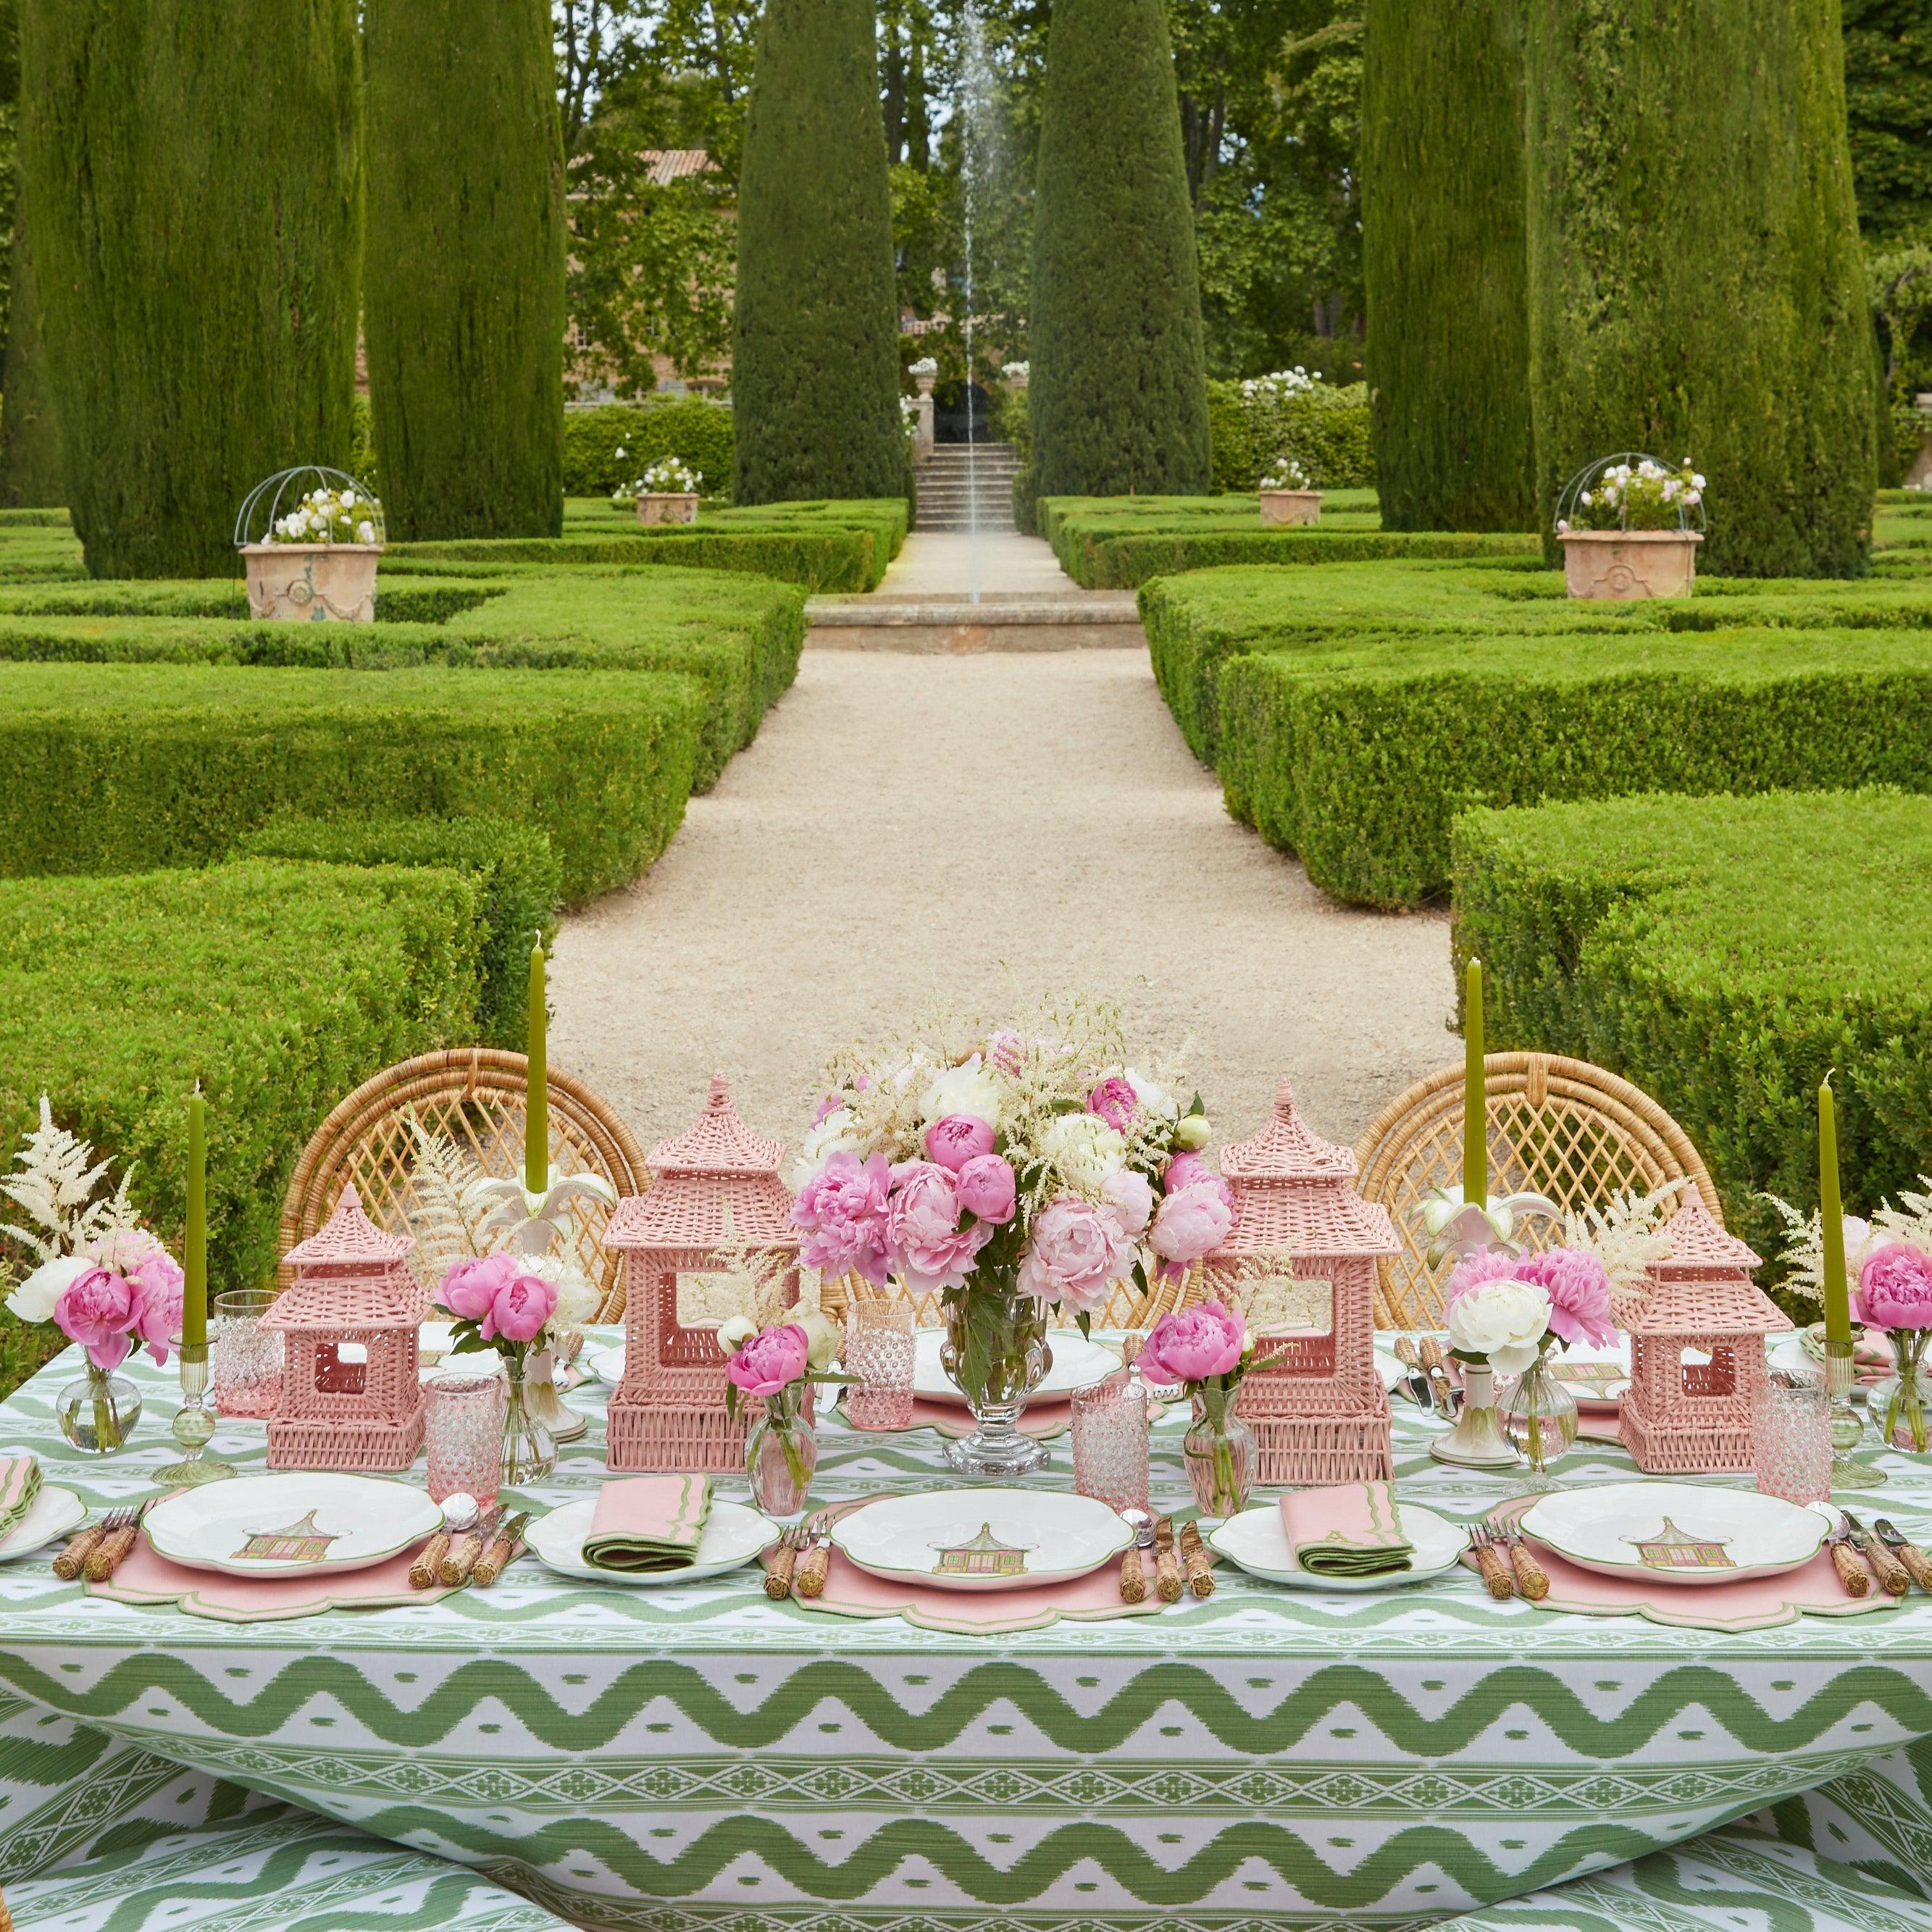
1043	1421
146	1577
1761	1603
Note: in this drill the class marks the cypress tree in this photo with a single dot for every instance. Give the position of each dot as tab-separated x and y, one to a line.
1695	284
30	474
1119	385
191	180
814	358
464	315
1443	258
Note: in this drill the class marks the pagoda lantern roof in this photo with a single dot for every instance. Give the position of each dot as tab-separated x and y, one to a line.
348	1276
349	1239
1293	1193
1700	1242
715	1185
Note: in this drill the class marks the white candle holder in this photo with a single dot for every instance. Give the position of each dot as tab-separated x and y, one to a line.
1478	1441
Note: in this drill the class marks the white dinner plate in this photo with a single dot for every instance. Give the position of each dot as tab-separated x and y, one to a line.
982	1539
53	1512
606	1364
733	1536
1256	1541
1788	1352
1078	1363
1676	1533
298	1523
1598	1378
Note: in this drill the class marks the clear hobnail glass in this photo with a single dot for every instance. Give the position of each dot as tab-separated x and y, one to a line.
529	1449
995	1353
1539	1417
781	1452
1220	1451
247	1357
1110	1442
463	1431
97	1414
880	1350
1791	1441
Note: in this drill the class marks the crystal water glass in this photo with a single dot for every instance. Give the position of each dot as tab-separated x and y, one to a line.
879	1350
1791	1442
463	1433
247	1357
1110	1442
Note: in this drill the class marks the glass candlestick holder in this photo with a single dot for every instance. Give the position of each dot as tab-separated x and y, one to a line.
1847	1425
193	1424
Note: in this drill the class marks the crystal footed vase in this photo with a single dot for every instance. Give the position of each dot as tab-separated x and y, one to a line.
995	1352
1539	1417
781	1453
1905	1408
1220	1451
529	1449
98	1413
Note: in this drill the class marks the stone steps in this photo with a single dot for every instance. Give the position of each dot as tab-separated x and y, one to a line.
964	487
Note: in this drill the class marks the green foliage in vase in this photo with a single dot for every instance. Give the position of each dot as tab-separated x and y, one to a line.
466	267
198	276
815	380
1119	390
1443	259
1696	285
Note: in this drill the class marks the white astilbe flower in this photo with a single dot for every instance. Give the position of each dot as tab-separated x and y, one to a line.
444	1230
1912	1223
1627	1235
1803	1250
55	1177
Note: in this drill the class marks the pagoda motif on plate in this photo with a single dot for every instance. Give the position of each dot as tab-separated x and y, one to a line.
352	1396
300	1543
714	1189
1681	1417
1324	1416
986	1556
1674	1549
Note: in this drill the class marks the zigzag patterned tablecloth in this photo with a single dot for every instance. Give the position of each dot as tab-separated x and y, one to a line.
699	1760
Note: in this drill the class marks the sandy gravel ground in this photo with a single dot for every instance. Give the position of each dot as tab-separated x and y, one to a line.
984	829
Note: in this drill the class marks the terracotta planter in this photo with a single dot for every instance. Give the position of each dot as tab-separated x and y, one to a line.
1626	564
1291	506
312	583
668	506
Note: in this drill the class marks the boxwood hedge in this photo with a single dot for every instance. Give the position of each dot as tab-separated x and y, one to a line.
1723	953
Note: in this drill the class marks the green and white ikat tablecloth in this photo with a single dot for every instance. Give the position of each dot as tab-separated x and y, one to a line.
697	1758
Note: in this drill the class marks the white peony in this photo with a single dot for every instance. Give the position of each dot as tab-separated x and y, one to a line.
34	1300
1503	1320
1084	1149
973	1088
734	1334
836	1134
1154	1098
577	1299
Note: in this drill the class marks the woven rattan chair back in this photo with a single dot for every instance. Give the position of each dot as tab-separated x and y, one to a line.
1561	1128
1127	1308
477	1097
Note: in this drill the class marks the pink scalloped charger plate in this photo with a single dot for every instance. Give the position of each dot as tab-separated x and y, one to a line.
146	1576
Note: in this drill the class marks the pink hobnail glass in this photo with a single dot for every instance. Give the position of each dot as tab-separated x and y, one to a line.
879	1350
463	1430
1110	1442
1791	1442
247	1357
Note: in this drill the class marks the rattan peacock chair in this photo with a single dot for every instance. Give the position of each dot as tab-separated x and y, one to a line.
1561	1128
475	1096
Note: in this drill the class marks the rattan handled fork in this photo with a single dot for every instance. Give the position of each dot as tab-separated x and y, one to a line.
72	1560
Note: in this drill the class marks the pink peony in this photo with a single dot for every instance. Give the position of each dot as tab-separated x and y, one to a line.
770	1361
987	1188
1186	1169
1077	1253
951	1143
1131	1198
1193	1221
520	1309
1580	1294
1486	1265
844	1211
97	1310
1191	1344
1114	1100
470	1288
933	1250
156	1283
1895	1288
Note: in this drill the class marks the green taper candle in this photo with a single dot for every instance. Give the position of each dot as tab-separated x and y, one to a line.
1475	1100
536	1120
1838	1293
194	1258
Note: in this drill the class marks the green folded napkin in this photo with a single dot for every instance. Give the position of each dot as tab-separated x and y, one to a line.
20	1484
1354	1531
649	1525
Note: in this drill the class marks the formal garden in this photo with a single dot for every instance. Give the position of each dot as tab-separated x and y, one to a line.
1315	616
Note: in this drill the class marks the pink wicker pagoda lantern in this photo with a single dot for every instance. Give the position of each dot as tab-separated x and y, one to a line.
351	1397
1323	1418
714	1188
1680	1416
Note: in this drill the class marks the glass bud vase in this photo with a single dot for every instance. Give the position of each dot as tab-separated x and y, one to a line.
1907	1400
97	1414
1219	1449
529	1449
995	1352
1540	1417
781	1453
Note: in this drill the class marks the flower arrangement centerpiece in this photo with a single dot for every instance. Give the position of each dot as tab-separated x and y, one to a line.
1209	1349
1011	1171
100	1277
1630	526
779	1366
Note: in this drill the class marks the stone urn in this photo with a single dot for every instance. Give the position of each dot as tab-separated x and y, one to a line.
1625	565
667	506
311	583
1282	507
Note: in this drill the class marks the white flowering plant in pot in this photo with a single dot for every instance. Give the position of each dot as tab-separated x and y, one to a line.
1636	493
309	538
1287	474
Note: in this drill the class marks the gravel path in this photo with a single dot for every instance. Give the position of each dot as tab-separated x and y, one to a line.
985	830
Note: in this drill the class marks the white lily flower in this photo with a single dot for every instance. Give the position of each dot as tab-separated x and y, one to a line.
1457	1226
533	1219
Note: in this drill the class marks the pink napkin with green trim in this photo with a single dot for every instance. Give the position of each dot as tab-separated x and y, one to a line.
1354	1531
648	1526
20	1484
